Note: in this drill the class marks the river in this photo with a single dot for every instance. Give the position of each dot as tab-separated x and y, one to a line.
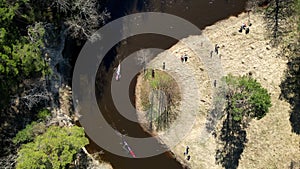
202	13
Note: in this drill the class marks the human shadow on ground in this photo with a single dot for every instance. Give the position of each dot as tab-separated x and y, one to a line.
290	91
232	140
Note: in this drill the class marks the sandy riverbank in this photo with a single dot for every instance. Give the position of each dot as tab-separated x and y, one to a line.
271	144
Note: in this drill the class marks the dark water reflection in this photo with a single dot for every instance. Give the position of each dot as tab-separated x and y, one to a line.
201	13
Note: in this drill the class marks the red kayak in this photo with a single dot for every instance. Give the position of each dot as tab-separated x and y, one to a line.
126	146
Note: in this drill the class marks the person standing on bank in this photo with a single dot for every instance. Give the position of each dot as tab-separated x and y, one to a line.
186	150
153	73
247	30
185	58
188	157
182	59
217	49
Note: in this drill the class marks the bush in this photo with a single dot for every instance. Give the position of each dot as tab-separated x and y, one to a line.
29	133
43	114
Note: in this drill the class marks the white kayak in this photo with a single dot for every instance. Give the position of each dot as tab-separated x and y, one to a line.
118	73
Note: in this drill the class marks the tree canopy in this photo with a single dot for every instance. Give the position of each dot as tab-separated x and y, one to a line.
53	149
246	97
20	52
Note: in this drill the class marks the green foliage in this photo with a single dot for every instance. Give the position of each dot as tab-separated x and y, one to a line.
29	133
32	130
43	114
260	101
54	149
7	11
24	55
160	81
247	97
20	53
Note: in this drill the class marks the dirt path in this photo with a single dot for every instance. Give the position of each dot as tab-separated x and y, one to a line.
271	144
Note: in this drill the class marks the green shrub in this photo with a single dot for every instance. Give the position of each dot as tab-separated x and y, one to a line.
29	133
43	114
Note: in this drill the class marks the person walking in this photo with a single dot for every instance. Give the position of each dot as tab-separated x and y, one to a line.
182	59
185	58
187	150
242	27
217	48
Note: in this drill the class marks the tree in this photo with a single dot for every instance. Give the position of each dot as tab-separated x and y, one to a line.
20	55
246	97
53	149
85	19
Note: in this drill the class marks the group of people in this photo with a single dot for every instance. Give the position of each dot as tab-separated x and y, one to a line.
184	58
245	27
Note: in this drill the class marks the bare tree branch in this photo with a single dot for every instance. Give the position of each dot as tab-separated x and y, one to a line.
85	19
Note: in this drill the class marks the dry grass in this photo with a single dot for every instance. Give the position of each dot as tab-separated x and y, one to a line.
161	82
144	89
271	144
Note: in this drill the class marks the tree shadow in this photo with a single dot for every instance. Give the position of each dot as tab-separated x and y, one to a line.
275	16
216	114
294	164
213	118
232	143
290	91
